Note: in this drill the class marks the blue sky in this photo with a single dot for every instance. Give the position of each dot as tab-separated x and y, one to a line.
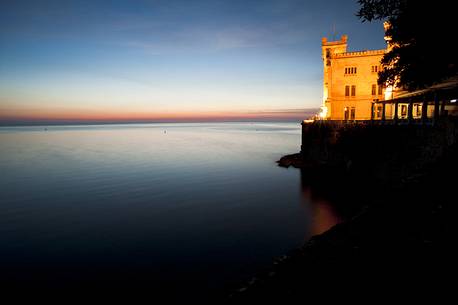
113	59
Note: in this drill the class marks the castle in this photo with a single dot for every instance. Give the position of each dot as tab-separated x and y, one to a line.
350	82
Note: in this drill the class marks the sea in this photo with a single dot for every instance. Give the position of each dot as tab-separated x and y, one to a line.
183	212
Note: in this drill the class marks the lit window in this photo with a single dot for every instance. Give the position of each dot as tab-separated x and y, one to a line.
403	110
379	112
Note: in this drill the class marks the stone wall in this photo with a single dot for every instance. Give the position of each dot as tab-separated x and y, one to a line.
386	154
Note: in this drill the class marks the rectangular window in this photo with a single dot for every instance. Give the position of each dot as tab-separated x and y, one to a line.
353	90
418	110
374	69
379	112
353	113
374	89
380	89
347	90
403	110
346	113
350	70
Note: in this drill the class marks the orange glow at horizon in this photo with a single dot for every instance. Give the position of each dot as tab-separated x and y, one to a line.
82	115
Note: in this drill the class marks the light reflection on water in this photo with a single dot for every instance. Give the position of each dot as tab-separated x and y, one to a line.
179	206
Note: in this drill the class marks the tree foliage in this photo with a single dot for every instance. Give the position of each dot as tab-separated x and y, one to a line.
423	36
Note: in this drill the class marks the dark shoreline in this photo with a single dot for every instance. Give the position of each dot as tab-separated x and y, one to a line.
396	243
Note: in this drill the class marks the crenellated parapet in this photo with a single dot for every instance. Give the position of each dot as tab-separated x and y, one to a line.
359	53
325	42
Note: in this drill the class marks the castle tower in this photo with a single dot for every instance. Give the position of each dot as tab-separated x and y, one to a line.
328	49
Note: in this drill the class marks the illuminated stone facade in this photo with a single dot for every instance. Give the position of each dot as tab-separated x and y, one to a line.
350	82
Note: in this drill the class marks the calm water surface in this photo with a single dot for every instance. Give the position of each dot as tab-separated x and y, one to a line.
177	209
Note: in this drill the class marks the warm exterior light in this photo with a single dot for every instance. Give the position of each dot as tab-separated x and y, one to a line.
323	112
388	93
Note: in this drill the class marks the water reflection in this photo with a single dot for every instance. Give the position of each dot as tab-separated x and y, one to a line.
323	214
179	213
135	209
323	209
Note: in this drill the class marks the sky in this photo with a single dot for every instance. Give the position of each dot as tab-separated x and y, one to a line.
170	60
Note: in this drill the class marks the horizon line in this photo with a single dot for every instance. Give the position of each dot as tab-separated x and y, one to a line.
115	122
283	115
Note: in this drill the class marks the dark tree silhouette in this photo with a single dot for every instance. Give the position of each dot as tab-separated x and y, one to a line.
423	35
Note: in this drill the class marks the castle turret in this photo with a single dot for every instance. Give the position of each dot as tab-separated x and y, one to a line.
328	50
